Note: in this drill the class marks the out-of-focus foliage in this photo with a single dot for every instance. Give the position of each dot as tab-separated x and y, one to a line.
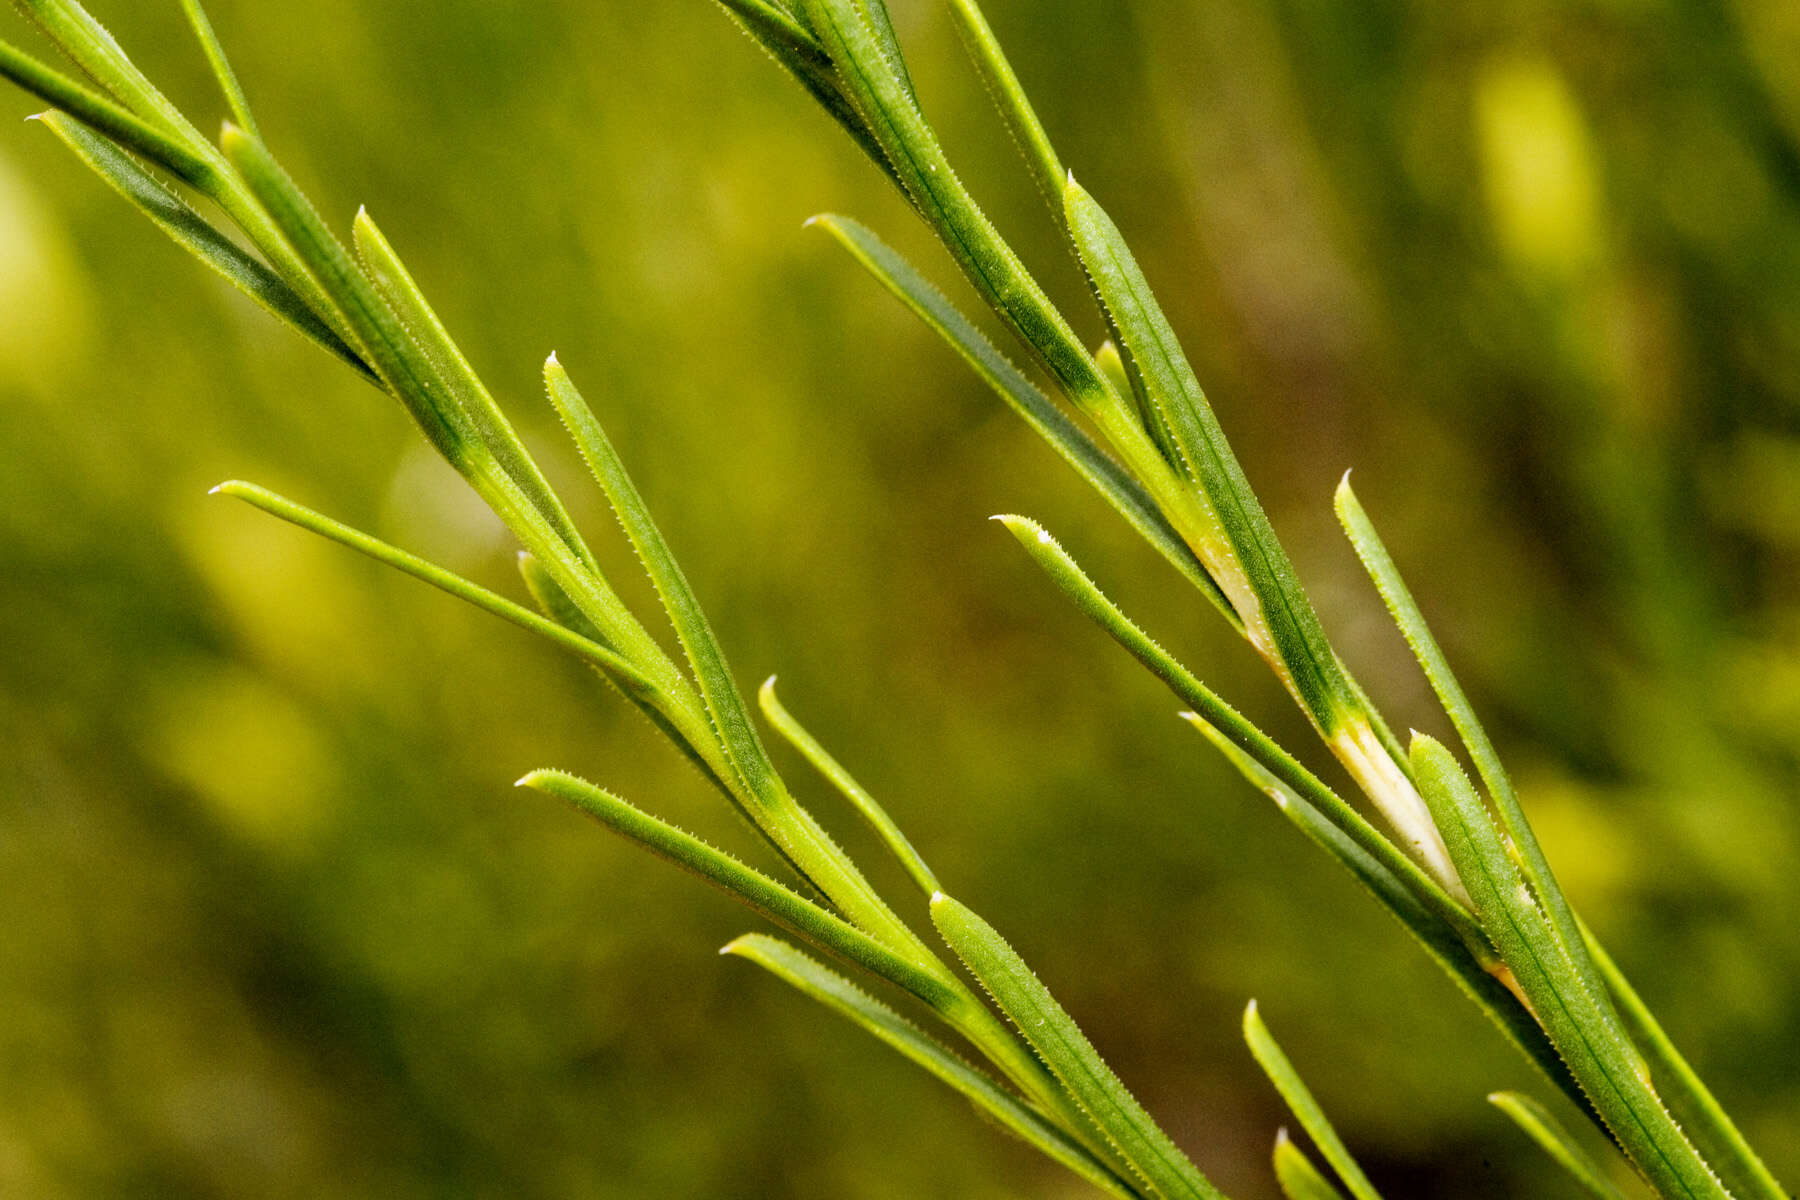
275	921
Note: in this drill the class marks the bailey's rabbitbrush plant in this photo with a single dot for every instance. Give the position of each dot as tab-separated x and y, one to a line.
1458	864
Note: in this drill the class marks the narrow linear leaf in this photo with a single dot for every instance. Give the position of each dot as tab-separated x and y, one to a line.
923	977
1407	615
221	66
157	130
1075	583
1299	1179
1544	1129
1279	611
415	380
569	630
1579	1025
1117	486
1725	1147
834	772
102	114
845	998
1223	521
404	296
736	732
1009	97
787	909
1471	964
380	338
90	47
877	86
799	53
1280	1070
192	232
1068	1053
609	661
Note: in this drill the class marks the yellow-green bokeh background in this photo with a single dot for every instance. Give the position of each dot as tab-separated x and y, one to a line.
272	920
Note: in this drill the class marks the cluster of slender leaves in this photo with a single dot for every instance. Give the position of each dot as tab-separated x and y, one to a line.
1469	881
1462	871
1041	1078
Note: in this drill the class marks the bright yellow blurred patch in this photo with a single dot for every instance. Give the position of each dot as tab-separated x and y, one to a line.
247	751
43	309
1539	169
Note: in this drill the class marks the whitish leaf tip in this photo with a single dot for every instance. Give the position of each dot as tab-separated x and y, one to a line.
1019	527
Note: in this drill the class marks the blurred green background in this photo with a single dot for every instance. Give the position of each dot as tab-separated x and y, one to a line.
274	923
